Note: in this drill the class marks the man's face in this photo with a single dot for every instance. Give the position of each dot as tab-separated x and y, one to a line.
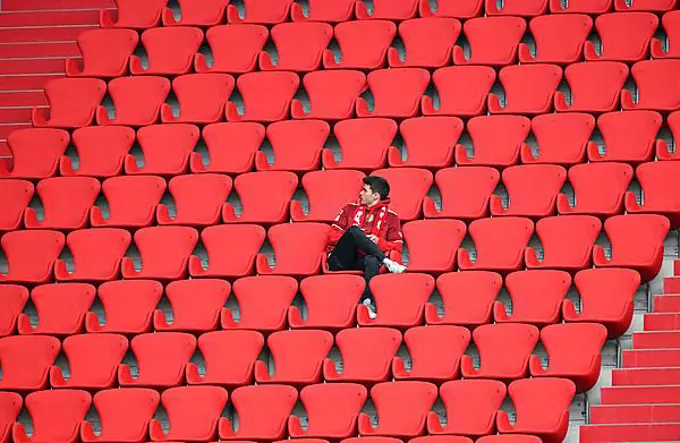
368	197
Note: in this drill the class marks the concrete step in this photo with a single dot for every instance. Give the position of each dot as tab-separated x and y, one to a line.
27	82
641	395
651	358
4	150
15	115
656	340
48	18
662	322
37	5
645	376
671	285
667	303
657	432
34	98
615	414
676	267
33	66
5	130
39	49
42	34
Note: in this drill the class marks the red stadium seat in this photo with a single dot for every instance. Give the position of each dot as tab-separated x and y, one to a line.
594	87
137	101
266	96
509	438
471	407
66	202
331	302
452	8
31	255
263	303
124	413
599	189
396	92
561	138
435	353
93	361
196	305
299	46
235	48
229	358
408	189
133	14
56	416
327	193
332	410
164	252
332	94
262	412
170	51
528	89
402	408
202	98
13	298
645	5
61	309
363	44
260	11
428	42
296	145
386	9
528	8
465	192
496	140
297	357
106	53
363	143
132	201
400	300
101	151
657	84
536	297
468	298
197	13
432	244
231	251
161	358
231	148
532	190
35	153
670	22
10	406
594	7
128	306
504	351
558	38
73	103
166	149
293	255
429	142
629	136
198	199
265	197
660	190
624	37
97	254
193	413
323	11
499	242
15	195
492	40
663	151
26	361
367	354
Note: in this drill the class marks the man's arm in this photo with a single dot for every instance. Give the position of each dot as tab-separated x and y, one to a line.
394	239
339	226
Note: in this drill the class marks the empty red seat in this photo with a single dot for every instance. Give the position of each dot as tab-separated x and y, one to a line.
35	152
137	100
296	145
465	192
166	149
558	38
594	87
97	254
669	21
198	200
528	89
31	255
428	141
468	298
528	8
408	189
193	413
260	11
323	10
161	359
10	406
327	193
471	407
131	201
332	94
101	151
73	103
93	361
400	300
263	302
509	438
66	203
428	42
231	251
363	44
15	195
402	408
235	49
202	98
231	148
56	416
598	188
266	96
197	13
297	357
492	40
537	415
396	92
536	296
660	190
624	37
367	355
164	252
132	14
124	413
594	7
657	82
387	9
26	361
532	190
61	309
435	353
262	412
561	138
299	46
196	305
13	298
128	306
363	144
645	5
106	53
295	256
499	244
629	136
451	8
432	244
170	51
331	302
496	140
663	151
265	197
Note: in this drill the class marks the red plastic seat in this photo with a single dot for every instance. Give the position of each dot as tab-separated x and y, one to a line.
386	9
396	92
428	42
670	22
663	151
193	413
196	305
161	359
229	358
532	190
624	37
297	357
10	406
266	96
13	298
527	8
660	189
510	438
629	136
332	410
198	199
197	13
35	152
331	11
408	189
15	195
471	407
558	38
402	408
124	413
332	94
170	51
262	412
363	143
260	11
137	100
56	416
164	252
637	242
101	151
567	240
93	361
594	7
468	298
265	197
61	309
561	138
451	8
599	189
128	305
327	193
504	351
133	14
400	300
367	355
594	87
465	192
331	302
202	98
499	242
645	5
296	145
66	202
263	303
106	53
496	140
606	298
363	44
299	46
528	89
235	49
26	361
429	142
132	201
31	255
73	103
435	353
657	82
432	244
536	296
97	254
231	148
492	40
231	251
293	255
537	415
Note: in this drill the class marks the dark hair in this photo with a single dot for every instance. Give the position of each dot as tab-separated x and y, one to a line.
379	185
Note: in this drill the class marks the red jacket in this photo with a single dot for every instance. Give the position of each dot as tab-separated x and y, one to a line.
389	239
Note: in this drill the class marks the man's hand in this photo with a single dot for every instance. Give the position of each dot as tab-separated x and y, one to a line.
373	238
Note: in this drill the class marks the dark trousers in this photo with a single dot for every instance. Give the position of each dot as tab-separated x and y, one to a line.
346	257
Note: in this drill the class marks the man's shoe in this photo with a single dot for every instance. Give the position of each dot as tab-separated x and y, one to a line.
371	309
394	267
